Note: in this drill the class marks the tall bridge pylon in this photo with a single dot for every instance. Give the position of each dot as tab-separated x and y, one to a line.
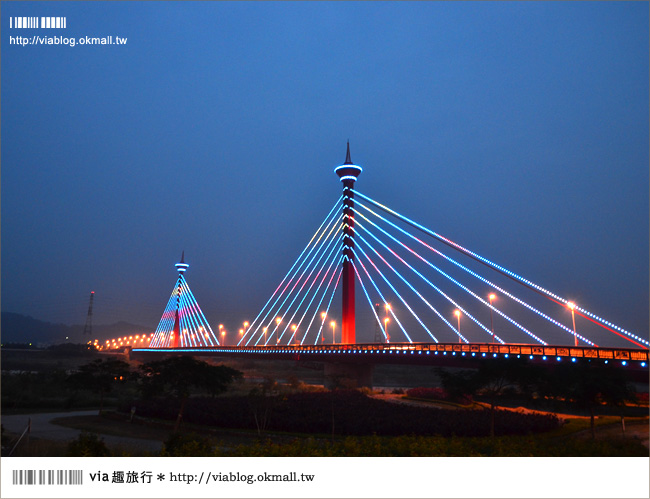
430	287
182	323
348	172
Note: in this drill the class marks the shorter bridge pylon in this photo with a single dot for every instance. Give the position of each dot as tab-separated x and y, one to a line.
182	323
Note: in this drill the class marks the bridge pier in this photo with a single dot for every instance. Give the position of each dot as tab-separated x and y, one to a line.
347	375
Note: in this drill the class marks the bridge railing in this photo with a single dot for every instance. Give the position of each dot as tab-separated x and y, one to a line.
473	349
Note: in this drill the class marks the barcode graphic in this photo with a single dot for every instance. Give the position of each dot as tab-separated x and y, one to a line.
48	477
38	22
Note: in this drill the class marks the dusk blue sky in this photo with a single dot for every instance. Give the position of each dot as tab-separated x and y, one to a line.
519	130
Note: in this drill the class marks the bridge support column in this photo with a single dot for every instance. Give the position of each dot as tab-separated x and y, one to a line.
348	173
348	375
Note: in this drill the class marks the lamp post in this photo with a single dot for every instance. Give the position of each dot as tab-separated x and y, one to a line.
386	321
492	297
333	324
457	314
264	331
278	321
223	337
572	306
323	316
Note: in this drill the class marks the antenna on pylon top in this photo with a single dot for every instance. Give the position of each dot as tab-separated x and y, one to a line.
348	160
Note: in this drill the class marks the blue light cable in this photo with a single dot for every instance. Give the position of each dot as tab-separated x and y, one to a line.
325	248
337	204
322	249
190	318
199	322
334	220
250	334
199	312
162	325
333	260
392	287
185	327
327	311
381	326
158	336
372	281
403	280
322	298
478	276
452	302
501	270
444	274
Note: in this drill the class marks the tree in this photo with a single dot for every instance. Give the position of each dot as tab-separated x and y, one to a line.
492	379
176	376
99	376
589	386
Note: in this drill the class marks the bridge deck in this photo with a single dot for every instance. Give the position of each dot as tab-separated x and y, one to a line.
387	353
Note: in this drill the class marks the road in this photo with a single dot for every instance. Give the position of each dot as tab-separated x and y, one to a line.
43	428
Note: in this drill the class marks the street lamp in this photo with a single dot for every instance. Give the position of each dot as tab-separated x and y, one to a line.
323	316
223	337
264	331
492	297
333	324
386	321
457	314
294	328
572	306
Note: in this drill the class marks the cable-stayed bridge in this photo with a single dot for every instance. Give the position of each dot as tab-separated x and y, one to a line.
421	297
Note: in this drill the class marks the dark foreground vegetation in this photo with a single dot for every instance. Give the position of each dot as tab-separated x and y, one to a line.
341	412
197	409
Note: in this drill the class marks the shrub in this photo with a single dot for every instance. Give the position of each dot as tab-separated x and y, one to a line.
87	445
187	445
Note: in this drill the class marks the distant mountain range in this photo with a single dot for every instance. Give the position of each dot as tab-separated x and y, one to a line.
17	328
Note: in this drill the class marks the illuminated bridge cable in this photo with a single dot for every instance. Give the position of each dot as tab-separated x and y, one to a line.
336	255
313	281
478	276
325	248
331	226
502	270
318	307
327	310
512	321
338	205
322	249
381	326
432	308
334	219
321	252
381	296
336	258
198	320
167	317
478	323
403	280
195	320
163	325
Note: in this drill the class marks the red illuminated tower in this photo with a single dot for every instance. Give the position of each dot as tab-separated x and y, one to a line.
348	173
180	267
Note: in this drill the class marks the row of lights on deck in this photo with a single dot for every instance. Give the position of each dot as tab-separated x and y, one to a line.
133	340
139	341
